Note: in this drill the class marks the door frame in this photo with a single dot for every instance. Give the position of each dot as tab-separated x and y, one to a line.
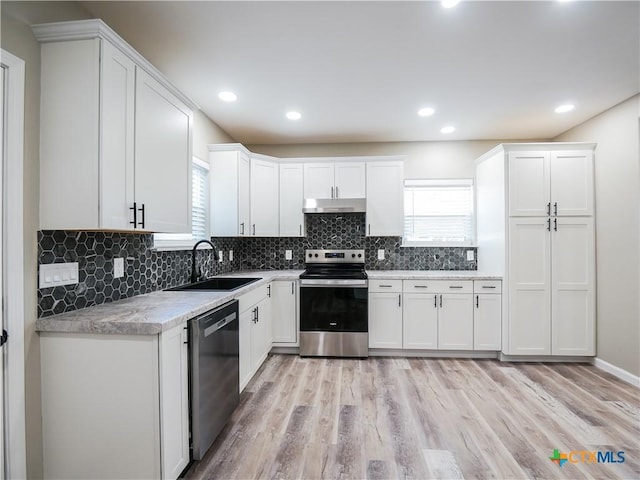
15	429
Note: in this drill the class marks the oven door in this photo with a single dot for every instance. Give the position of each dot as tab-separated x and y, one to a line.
333	305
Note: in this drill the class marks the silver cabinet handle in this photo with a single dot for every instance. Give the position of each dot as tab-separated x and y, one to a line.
254	229
435	301
455	286
440	301
399	303
337	196
477	301
549	208
292	289
548	224
300	230
242	228
385	286
332	192
420	286
488	286
555	224
369	229
269	291
555	209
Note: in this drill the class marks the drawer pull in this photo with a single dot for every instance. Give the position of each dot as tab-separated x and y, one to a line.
488	286
420	286
455	286
386	286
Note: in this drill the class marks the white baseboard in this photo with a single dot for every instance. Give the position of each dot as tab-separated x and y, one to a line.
617	372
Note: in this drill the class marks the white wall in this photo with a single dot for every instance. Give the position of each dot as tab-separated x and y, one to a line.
424	159
206	132
617	178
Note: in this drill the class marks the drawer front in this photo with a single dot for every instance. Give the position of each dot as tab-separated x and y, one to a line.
438	286
385	285
487	286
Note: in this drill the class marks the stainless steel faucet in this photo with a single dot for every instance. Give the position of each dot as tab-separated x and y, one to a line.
195	271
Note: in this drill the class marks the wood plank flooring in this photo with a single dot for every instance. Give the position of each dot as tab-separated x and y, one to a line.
419	418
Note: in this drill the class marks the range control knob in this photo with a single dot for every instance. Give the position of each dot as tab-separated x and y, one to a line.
310	255
316	255
353	255
359	255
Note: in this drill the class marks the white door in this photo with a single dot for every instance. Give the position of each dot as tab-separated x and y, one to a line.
291	200
350	180
385	199
162	158
385	320
318	180
529	184
117	104
529	287
573	286
283	313
244	194
264	198
455	321
572	183
487	322
420	321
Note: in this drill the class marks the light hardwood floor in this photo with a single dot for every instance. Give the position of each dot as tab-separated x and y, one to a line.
315	418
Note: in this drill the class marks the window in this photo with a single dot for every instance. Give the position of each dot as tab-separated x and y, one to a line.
438	212
199	212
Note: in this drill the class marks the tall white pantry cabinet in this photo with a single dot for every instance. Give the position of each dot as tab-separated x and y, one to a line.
535	218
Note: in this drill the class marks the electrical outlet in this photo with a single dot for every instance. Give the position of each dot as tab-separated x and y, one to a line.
381	254
118	267
231	255
54	274
470	255
288	255
220	256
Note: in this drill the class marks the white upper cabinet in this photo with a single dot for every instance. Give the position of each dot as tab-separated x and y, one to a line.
557	183
572	188
115	137
385	198
334	180
264	198
230	191
162	158
291	200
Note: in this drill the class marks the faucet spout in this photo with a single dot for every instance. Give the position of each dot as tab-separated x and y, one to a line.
195	271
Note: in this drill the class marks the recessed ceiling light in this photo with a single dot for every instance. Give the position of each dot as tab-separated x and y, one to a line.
448	129
294	115
227	96
449	3
565	108
425	112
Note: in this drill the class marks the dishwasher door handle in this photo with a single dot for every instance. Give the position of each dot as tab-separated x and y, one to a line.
219	324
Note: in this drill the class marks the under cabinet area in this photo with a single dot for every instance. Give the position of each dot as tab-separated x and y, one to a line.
115	406
110	118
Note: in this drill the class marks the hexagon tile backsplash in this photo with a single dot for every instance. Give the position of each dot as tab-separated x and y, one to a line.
147	269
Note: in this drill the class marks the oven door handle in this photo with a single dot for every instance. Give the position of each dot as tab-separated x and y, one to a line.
334	283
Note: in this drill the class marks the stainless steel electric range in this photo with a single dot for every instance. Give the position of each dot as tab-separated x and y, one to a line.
334	317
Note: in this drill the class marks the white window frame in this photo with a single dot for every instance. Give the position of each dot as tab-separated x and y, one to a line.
454	182
181	241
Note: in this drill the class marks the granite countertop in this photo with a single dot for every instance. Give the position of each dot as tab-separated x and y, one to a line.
155	312
430	275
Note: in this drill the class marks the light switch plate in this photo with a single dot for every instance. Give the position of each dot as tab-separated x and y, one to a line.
470	255
118	267
220	256
381	254
231	255
54	274
288	255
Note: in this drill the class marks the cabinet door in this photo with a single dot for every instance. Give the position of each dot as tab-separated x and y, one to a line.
455	321
291	200
385	320
529	184
224	192
487	322
350	180
246	321
529	287
162	157
174	402
385	199
117	103
419	321
572	183
244	195
283	313
264	198
259	335
318	180
573	287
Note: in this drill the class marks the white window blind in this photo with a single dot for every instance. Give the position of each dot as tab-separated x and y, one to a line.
438	212
199	212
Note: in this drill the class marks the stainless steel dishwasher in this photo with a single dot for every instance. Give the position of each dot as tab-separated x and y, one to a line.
214	374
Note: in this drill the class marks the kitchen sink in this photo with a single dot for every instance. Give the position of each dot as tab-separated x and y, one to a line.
223	284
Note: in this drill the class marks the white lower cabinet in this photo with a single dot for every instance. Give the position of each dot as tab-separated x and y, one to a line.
487	315
455	321
255	331
284	313
385	314
420	321
122	394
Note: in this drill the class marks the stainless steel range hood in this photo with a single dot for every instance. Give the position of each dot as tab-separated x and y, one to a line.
334	205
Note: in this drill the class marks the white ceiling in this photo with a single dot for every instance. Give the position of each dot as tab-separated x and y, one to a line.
359	71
